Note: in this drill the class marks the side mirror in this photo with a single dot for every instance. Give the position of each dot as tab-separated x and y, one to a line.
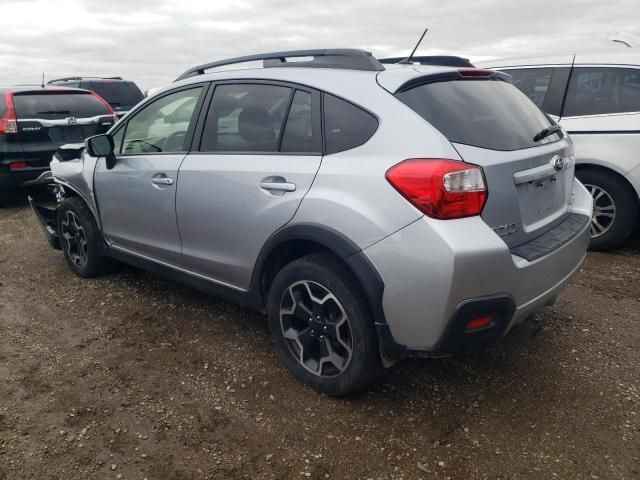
102	146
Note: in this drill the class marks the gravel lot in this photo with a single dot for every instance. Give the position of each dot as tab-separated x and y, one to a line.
129	376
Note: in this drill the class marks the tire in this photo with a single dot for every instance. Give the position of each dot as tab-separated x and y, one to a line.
615	210
343	325
6	197
80	239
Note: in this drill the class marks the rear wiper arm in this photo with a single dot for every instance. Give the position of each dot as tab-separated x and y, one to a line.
545	132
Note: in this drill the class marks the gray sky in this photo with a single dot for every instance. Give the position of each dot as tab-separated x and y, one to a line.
152	42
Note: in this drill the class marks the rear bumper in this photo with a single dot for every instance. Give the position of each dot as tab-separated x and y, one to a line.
433	270
17	178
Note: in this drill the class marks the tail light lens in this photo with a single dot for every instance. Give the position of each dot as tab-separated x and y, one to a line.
18	165
8	121
440	188
106	104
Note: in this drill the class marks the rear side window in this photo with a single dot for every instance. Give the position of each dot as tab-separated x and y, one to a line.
2	104
346	126
300	134
245	118
602	90
50	106
533	82
117	93
482	113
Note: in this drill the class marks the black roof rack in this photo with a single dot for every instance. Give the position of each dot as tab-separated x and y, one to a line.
68	79
440	60
348	58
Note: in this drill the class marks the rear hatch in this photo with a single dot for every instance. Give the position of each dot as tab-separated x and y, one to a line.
492	124
50	118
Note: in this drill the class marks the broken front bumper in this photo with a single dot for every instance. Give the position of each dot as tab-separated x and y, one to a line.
47	219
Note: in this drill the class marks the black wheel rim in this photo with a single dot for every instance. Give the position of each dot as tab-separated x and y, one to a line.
604	210
316	328
74	239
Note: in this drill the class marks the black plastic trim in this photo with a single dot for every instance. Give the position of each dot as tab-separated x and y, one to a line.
456	339
248	299
450	76
440	60
47	219
365	272
552	239
327	58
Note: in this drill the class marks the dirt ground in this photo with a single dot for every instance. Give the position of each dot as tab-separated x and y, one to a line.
130	376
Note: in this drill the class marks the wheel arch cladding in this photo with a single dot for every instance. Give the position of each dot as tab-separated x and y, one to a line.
295	241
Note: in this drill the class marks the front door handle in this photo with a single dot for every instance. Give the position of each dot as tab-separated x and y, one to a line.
281	186
162	181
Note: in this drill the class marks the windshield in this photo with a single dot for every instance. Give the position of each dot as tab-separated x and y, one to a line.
117	93
51	106
482	113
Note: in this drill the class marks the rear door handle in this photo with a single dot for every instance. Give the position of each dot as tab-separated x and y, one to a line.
162	181
281	186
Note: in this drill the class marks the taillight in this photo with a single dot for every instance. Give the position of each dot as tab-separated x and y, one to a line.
8	121
18	165
440	188
106	104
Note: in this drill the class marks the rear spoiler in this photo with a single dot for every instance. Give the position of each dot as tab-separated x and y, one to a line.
439	60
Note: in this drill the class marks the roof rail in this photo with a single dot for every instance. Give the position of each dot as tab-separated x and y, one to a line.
440	60
67	79
348	58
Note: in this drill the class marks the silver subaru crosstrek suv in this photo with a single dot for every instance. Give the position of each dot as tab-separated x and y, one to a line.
595	96
371	211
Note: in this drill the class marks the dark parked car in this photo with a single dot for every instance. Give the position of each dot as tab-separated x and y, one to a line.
35	121
121	94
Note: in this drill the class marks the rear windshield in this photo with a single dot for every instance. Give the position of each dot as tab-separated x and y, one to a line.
118	94
482	113
51	106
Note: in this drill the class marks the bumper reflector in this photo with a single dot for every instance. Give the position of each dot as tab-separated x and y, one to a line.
18	165
478	323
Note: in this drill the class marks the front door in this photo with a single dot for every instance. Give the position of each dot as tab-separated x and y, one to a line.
136	198
259	153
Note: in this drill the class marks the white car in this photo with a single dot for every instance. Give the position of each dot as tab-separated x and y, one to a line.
596	98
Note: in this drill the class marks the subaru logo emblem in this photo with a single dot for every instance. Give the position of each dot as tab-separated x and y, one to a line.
557	162
71	120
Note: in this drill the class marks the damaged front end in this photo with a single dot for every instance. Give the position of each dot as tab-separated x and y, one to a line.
67	168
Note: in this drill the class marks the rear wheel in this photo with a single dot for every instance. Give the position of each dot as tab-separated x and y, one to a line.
615	208
321	326
80	238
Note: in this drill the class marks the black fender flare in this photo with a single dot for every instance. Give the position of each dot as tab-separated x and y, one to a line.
366	274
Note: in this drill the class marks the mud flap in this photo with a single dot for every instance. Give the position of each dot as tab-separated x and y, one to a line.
47	219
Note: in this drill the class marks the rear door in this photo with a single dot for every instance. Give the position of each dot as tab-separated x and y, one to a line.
258	154
492	124
50	118
137	197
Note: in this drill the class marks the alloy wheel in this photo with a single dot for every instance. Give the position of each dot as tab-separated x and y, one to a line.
604	210
316	328
75	239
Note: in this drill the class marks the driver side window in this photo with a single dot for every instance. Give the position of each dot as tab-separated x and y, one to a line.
162	126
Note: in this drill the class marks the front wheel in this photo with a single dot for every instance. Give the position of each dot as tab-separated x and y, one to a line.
615	208
321	326
80	238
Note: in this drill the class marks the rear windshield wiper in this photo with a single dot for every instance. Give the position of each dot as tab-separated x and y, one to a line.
545	132
54	112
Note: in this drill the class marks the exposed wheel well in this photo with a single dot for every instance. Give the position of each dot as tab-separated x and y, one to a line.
283	254
609	171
